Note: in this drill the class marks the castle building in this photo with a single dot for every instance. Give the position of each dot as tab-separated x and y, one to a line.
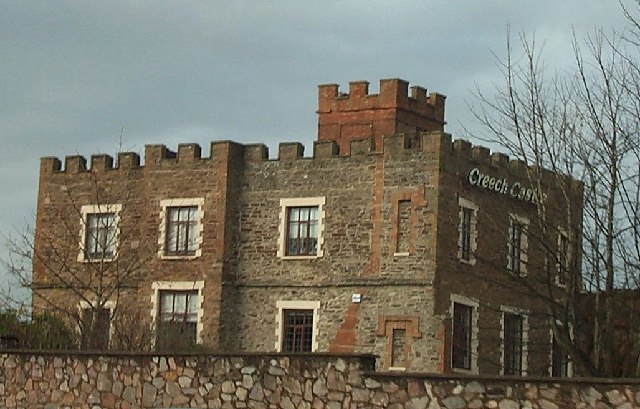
389	239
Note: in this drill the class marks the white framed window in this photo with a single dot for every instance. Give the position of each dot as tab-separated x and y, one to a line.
560	364
468	231
517	245
514	336
563	255
177	313
99	232
297	326
301	228
464	334
95	327
181	228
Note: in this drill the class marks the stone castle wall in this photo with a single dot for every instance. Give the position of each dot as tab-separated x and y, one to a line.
315	381
395	266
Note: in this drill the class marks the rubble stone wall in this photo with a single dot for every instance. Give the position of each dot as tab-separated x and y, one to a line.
313	381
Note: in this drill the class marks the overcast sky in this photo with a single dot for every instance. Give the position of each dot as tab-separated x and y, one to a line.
74	73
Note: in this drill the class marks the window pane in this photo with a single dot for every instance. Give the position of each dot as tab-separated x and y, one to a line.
180	304
181	230
512	344
461	347
297	331
177	327
302	230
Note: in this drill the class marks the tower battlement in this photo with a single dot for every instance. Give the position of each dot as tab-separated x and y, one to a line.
358	114
394	94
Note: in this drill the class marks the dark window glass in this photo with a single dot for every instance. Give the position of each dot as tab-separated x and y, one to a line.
398	344
178	319
560	360
512	344
297	330
181	231
100	239
461	347
95	328
404	226
563	260
302	231
517	230
465	233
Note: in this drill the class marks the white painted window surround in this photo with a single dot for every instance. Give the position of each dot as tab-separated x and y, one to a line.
198	286
296	305
85	211
474	304
286	203
168	203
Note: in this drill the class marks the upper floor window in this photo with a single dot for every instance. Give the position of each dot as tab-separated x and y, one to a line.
181	228
302	231
562	259
517	245
99	232
468	231
301	227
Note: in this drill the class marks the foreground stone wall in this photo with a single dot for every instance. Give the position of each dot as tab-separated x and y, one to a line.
314	381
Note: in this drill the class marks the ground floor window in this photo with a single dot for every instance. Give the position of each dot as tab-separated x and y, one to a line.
178	319
297	330
95	327
512	344
297	326
177	314
559	360
462	328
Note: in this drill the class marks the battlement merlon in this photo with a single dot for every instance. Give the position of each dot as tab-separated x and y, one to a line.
188	155
394	93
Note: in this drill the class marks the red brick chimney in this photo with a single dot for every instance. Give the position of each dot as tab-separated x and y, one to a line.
358	114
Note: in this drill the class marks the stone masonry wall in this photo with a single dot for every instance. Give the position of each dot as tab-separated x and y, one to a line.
318	381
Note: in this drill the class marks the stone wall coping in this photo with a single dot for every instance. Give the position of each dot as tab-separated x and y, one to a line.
500	378
204	354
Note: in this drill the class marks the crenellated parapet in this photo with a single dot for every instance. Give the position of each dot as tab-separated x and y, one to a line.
344	117
394	93
188	155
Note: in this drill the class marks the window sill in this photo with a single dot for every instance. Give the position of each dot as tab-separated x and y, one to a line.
397	369
97	260
470	262
186	257
310	257
473	371
520	274
401	254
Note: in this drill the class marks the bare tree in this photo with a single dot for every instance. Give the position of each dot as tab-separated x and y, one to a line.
578	134
84	259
